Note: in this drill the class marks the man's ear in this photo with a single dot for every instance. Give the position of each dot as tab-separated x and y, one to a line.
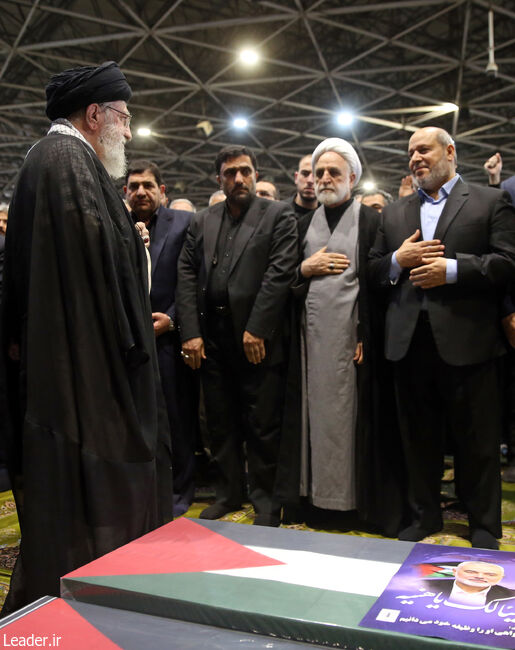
454	572
125	190
257	175
162	189
92	117
219	181
352	179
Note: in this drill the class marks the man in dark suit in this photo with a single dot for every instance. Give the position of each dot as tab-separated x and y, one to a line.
235	271
167	228
446	254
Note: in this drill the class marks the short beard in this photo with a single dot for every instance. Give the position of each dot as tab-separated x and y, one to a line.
333	198
113	151
308	198
434	180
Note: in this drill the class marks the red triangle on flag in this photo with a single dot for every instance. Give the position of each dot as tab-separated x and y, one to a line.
428	569
182	546
55	625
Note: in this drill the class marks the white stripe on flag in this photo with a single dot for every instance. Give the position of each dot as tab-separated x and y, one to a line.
345	574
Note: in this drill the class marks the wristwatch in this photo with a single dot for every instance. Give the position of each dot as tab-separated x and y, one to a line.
171	327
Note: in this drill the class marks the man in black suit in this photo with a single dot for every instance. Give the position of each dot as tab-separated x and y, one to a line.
167	228
446	254
235	270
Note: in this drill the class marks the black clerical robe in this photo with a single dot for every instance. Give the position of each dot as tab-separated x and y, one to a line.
89	456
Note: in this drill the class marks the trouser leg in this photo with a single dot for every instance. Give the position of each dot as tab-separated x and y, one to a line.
180	398
475	424
262	390
421	424
220	386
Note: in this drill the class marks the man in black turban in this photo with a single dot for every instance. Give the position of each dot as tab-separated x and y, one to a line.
82	412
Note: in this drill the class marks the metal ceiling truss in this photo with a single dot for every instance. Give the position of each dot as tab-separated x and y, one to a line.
396	65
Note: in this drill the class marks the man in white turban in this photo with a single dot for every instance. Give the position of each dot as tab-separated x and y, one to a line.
322	455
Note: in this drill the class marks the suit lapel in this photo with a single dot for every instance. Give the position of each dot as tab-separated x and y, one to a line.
457	197
412	214
246	229
159	238
212	223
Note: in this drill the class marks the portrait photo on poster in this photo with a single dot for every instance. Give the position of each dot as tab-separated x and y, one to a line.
459	594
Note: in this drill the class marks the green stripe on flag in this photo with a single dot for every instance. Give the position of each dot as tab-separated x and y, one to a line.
265	607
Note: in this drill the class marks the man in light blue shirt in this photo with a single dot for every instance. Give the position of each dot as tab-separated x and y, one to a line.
446	255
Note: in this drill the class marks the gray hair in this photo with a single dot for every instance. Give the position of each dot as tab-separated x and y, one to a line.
216	195
193	208
444	138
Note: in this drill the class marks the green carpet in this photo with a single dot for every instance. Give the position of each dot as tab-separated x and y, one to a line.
9	540
454	533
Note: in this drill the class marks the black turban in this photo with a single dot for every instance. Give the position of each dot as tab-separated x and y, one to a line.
76	88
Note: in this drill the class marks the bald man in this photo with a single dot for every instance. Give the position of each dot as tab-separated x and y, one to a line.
445	255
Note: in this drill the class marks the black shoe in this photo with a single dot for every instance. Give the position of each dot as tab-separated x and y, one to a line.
481	538
415	533
217	510
267	520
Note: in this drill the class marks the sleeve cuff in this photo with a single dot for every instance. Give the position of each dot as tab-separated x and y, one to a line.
395	269
451	271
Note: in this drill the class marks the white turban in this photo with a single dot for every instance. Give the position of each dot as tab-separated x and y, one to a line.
344	149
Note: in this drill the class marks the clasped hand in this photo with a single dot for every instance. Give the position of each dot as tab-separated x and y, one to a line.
425	259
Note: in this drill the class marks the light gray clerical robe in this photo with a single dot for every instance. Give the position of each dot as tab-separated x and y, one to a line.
329	389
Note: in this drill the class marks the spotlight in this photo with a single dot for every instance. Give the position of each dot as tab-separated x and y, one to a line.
249	56
369	185
449	107
345	118
240	123
144	131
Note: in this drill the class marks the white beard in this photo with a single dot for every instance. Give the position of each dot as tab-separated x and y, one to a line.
335	195
113	151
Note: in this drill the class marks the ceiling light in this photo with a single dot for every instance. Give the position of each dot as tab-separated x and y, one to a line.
345	118
144	131
248	56
450	107
240	123
369	185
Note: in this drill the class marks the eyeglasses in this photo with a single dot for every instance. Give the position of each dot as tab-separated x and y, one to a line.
126	116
